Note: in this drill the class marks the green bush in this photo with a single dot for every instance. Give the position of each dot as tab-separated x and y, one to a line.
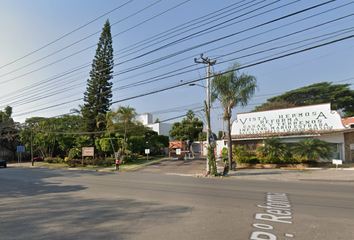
290	160
57	160
48	160
310	163
270	160
247	159
76	162
224	154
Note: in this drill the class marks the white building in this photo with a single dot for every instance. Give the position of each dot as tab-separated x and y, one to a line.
160	128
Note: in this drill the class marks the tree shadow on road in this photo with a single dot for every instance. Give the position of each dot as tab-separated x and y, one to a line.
63	216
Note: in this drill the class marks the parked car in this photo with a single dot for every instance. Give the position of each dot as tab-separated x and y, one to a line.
36	159
3	163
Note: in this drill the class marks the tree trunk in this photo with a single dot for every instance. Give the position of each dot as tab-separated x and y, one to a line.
229	144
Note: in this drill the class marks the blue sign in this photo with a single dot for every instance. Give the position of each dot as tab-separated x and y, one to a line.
21	148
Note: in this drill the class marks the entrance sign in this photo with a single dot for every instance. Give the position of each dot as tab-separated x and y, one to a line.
147	152
178	151
336	161
21	148
296	119
88	151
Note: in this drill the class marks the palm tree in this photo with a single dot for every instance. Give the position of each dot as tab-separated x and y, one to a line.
312	149
232	89
122	114
273	147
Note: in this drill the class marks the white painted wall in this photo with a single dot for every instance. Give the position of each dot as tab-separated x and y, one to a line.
220	144
162	129
315	117
145	118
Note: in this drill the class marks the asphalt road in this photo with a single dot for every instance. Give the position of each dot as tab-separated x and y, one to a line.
62	204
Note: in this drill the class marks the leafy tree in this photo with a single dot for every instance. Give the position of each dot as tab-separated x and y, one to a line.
44	139
188	128
157	142
9	132
203	136
137	144
220	135
273	147
68	124
340	96
232	89
274	105
123	120
108	143
312	150
98	93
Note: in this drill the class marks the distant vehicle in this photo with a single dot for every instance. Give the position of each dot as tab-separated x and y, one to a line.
3	163
38	159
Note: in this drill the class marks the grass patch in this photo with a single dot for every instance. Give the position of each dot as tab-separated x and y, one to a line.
54	164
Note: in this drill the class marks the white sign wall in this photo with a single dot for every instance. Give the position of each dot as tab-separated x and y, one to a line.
297	119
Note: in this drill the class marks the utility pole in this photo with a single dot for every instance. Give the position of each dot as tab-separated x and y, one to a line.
209	63
32	146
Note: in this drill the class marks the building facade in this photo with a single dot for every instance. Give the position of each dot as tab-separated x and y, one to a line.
295	124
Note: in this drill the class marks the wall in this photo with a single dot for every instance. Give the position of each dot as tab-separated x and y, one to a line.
349	153
297	119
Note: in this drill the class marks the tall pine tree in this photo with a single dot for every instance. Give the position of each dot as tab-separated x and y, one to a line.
98	93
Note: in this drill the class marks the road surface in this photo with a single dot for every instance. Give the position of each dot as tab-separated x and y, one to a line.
62	204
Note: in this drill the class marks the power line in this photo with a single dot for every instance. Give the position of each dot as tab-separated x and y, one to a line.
242	67
164	76
69	33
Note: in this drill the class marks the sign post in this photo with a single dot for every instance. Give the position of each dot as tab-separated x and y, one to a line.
20	149
336	162
147	151
88	151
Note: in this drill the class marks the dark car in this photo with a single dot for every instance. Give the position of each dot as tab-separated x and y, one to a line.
3	163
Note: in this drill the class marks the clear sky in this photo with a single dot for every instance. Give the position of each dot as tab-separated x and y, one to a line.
46	49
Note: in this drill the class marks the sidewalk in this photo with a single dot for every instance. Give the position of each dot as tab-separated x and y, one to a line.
308	174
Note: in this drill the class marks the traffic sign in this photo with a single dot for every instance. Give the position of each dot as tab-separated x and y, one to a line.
21	148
